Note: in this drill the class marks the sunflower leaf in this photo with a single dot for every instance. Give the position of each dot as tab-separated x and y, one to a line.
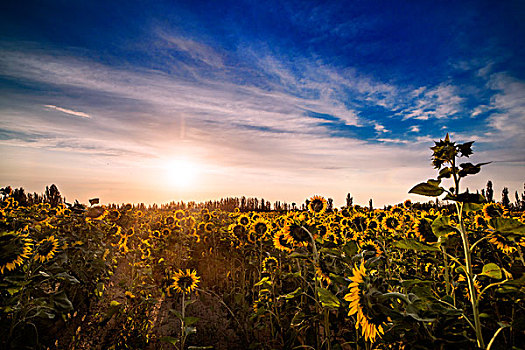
327	299
491	270
429	188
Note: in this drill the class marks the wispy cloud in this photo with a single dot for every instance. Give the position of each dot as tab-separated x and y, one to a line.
68	111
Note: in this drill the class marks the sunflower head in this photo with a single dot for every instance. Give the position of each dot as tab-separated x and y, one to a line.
363	298
493	210
260	227
179	214
185	281
96	213
46	249
391	223
270	264
503	243
243	220
317	204
480	222
281	242
358	222
296	234
14	250
423	230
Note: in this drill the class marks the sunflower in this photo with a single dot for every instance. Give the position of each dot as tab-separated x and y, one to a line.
169	220
96	213
371	325
113	215
243	219
317	204
358	221
372	224
296	234
407	203
179	214
208	227
423	230
260	227
14	249
237	230
321	273
480	221
371	247
391	223
281	242
185	281
46	249
502	243
493	210
270	264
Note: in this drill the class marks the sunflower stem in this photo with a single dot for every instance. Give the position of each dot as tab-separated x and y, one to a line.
468	259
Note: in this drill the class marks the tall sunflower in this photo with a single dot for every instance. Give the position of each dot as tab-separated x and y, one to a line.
185	281
46	249
14	249
317	204
370	322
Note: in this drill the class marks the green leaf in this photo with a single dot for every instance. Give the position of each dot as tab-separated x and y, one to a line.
327	299
67	277
507	226
410	243
441	226
176	313
429	188
188	321
468	207
470	169
491	270
171	340
445	173
62	303
293	294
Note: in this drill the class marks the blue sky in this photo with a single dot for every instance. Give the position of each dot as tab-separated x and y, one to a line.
281	99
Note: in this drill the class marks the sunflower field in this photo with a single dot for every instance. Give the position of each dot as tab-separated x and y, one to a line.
404	277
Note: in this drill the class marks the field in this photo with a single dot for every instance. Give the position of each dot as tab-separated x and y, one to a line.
200	276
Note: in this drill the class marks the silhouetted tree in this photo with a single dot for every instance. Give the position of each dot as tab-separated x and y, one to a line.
505	197
490	192
330	204
52	196
349	200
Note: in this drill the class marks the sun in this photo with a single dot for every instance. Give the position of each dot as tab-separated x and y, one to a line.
182	173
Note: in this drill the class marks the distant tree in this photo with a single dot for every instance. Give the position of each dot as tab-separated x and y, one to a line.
19	195
370	204
518	201
490	192
52	196
349	200
505	201
330	204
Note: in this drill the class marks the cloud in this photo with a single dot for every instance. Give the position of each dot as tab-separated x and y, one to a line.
68	111
414	128
439	102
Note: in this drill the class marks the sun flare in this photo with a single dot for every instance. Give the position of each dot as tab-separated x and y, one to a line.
182	173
